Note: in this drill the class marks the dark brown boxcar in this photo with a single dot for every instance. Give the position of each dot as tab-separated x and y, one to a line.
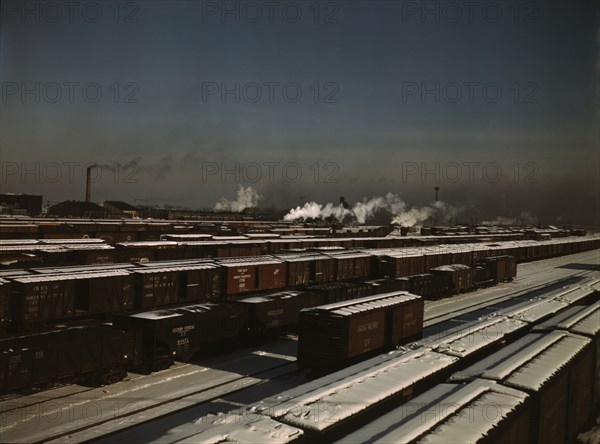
340	291
298	269
276	311
502	268
334	333
182	332
156	287
41	298
460	278
271	274
72	354
135	252
400	265
202	283
104	292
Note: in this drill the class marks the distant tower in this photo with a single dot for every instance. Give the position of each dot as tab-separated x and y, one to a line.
88	184
437	189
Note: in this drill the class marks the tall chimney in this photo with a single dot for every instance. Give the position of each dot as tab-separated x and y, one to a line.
437	189
88	184
344	204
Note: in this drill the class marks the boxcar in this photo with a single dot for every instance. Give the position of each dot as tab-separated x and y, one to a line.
400	265
502	268
156	287
238	277
340	291
37	299
335	333
99	354
584	321
180	333
547	367
333	405
104	292
429	286
276	312
459	278
352	266
482	411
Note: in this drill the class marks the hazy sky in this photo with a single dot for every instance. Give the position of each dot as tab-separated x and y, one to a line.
495	102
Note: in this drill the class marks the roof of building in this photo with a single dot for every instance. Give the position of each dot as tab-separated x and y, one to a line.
120	205
76	205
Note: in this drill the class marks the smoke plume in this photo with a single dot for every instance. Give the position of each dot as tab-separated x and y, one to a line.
246	198
361	211
440	213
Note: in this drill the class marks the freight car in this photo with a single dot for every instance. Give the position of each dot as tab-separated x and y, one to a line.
501	268
158	286
583	321
481	411
335	405
183	332
245	275
429	286
547	367
273	313
459	278
311	268
96	354
340	291
39	300
334	334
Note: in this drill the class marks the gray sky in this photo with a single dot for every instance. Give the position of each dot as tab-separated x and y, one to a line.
306	101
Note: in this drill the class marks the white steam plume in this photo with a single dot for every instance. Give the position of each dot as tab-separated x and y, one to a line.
246	198
365	210
442	212
361	211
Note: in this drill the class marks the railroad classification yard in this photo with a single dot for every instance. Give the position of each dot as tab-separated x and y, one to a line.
285	221
279	332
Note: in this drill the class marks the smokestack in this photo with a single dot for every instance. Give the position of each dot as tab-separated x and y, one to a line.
88	184
344	204
437	189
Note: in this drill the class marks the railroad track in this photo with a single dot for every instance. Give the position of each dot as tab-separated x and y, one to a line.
474	306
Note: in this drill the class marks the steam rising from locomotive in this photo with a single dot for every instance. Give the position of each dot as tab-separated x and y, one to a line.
400	212
247	197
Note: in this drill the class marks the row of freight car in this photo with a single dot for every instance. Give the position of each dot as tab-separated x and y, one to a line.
65	252
527	374
154	339
33	301
123	230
